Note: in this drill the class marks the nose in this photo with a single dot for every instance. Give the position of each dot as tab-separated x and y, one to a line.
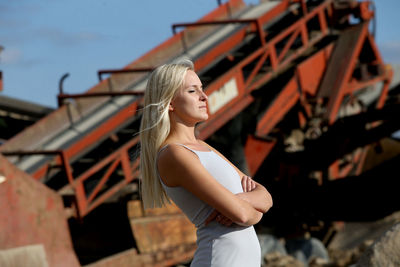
203	96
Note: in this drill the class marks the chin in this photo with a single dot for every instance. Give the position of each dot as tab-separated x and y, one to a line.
202	119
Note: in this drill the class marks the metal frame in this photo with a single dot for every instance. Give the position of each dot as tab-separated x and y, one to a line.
260	56
87	202
61	97
259	75
100	73
63	158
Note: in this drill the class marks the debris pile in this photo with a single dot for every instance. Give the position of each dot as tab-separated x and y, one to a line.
356	244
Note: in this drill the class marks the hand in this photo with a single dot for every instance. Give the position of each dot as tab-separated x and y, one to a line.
248	184
218	217
221	219
211	217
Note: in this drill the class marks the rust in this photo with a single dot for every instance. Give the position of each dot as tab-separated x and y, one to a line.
286	86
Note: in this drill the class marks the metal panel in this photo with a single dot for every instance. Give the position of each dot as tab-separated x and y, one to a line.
33	214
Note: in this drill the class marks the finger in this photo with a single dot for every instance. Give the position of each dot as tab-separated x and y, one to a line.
249	184
211	217
253	185
221	219
226	221
244	183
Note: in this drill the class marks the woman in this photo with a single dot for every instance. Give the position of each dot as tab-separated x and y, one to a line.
218	198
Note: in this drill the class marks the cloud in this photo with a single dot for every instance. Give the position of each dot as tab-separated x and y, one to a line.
63	38
12	7
54	36
16	57
17	15
10	56
390	51
11	22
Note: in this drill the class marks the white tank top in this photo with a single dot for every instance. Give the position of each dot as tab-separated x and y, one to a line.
217	245
196	210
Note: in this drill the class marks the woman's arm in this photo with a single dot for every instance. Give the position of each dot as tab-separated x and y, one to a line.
180	167
258	197
256	194
248	186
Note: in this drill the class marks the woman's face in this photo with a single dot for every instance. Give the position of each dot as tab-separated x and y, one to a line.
189	104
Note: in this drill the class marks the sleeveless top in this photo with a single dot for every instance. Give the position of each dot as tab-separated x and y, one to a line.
217	245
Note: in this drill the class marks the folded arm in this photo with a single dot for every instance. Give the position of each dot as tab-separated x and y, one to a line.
255	194
180	167
258	196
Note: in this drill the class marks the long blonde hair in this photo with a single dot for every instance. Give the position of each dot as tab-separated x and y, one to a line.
155	126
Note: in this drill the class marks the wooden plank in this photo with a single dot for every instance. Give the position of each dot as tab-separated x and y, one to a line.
135	209
162	232
167	209
131	258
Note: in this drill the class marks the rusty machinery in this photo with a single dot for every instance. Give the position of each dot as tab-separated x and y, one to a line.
289	85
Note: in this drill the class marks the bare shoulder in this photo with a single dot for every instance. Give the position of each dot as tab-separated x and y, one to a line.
175	154
172	158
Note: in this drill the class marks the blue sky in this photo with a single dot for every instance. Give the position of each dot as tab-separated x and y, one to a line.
43	39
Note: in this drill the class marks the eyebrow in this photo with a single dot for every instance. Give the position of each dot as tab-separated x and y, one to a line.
196	86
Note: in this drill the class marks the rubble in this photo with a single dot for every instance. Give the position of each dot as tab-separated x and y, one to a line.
276	259
356	244
384	251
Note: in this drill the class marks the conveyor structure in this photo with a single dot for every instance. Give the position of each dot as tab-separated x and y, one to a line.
283	77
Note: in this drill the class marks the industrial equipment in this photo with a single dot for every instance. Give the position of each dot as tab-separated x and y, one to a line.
298	98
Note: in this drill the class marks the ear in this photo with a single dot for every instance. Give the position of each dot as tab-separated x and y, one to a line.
170	108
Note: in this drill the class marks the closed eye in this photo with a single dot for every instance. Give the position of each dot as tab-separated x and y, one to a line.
195	88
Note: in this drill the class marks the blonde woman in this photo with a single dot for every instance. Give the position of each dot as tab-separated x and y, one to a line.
218	198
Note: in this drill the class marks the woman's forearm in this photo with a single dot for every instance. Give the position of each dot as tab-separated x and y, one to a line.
250	216
259	198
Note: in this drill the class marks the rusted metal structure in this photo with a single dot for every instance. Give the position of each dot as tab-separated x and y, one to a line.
286	73
16	115
32	214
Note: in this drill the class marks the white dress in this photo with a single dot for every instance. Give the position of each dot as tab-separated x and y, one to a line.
217	245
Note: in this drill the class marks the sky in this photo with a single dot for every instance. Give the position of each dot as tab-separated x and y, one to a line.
44	39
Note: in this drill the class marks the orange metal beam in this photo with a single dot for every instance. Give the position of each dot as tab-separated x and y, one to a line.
231	106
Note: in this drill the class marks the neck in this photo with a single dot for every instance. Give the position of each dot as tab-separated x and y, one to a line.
181	133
